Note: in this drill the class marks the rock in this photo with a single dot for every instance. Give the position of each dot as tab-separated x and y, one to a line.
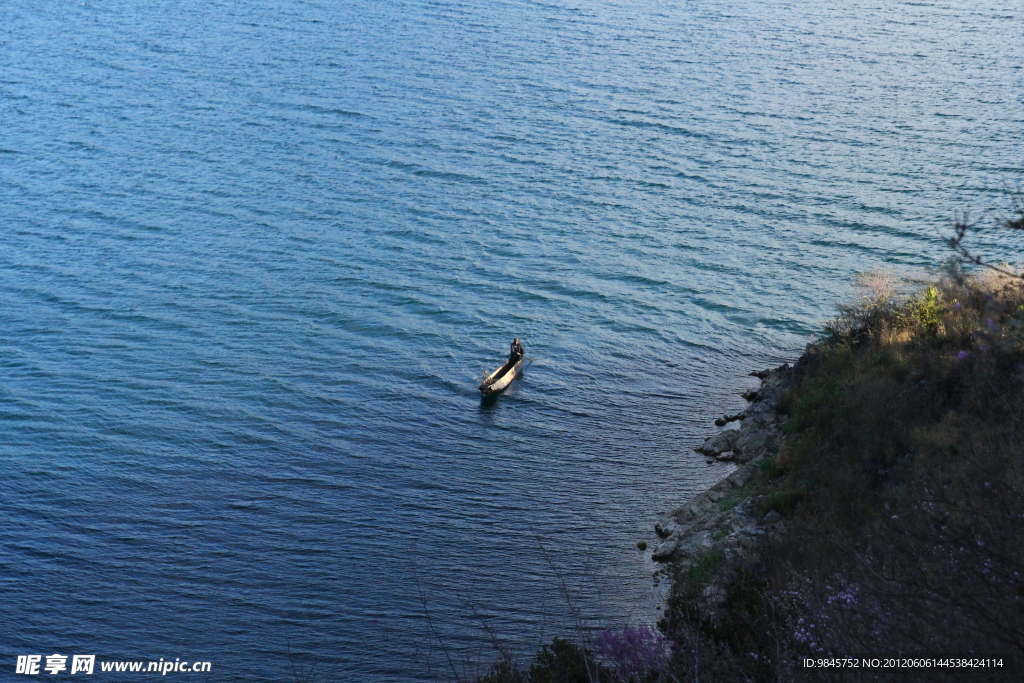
700	543
810	352
722	486
702	525
740	476
642	545
665	551
750	535
722	442
714	592
751	441
726	419
762	414
736	555
772	517
773	386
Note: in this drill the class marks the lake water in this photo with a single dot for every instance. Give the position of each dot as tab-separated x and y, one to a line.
256	255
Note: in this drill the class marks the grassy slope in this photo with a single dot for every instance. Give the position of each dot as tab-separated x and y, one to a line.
900	481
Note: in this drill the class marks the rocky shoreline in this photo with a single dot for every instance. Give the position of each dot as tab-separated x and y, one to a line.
725	523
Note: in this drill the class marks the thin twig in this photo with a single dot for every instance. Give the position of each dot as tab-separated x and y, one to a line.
433	631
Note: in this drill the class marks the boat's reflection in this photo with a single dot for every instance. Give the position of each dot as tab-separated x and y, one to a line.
489	401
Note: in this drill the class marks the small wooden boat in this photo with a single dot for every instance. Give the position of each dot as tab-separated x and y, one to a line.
502	377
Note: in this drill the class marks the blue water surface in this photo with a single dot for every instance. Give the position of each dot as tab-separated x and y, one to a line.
256	254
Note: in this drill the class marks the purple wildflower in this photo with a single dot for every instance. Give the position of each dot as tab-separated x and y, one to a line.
963	355
957	306
635	651
847	596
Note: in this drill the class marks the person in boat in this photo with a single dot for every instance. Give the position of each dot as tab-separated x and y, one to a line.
516	352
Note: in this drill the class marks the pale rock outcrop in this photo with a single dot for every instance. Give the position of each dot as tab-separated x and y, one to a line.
722	519
721	443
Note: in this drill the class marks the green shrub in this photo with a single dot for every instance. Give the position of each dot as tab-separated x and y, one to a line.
838	360
776	466
812	403
785	406
503	672
703	570
921	315
783	501
566	662
731	499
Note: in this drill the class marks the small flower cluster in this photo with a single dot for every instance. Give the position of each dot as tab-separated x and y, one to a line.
635	651
846	597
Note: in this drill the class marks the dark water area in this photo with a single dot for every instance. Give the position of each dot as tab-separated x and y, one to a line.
256	256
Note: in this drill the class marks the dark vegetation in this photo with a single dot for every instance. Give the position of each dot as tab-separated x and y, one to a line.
899	483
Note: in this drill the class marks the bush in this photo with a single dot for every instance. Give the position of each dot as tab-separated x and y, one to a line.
702	570
783	502
503	672
566	662
560	662
636	653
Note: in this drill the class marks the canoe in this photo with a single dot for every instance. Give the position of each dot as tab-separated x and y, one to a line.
502	377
